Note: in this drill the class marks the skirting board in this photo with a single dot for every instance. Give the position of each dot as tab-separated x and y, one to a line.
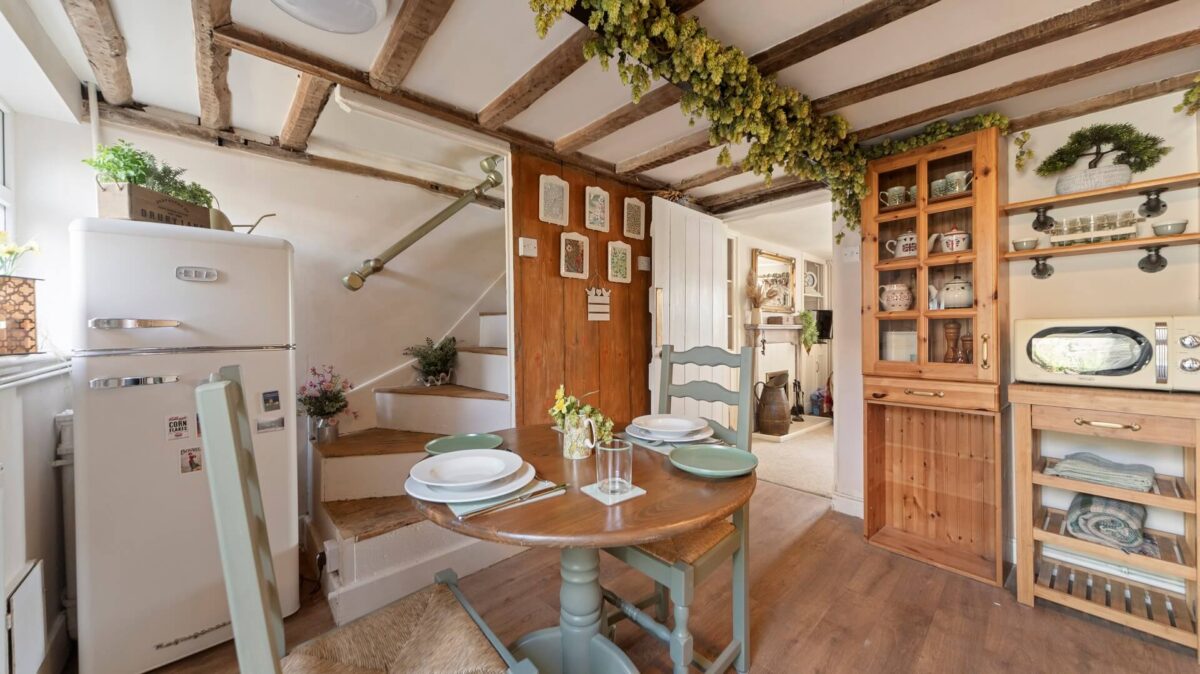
806	427
848	505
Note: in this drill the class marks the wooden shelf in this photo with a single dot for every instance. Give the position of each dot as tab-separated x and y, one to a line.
909	315
940	554
966	197
773	326
1050	526
1170	492
1149	609
967	312
905	213
1108	193
897	208
1185	239
897	263
943	259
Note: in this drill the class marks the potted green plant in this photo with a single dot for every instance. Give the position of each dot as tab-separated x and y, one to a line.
1135	152
808	330
134	185
435	362
18	301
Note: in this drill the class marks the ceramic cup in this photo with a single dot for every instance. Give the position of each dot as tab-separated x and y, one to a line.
912	193
959	181
938	188
893	196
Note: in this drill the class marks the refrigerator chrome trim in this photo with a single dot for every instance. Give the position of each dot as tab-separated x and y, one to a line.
131	323
167	350
102	383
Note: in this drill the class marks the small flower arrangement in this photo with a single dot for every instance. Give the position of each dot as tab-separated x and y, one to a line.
324	394
11	253
569	406
435	362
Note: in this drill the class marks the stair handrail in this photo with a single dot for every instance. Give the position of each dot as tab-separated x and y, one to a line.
492	178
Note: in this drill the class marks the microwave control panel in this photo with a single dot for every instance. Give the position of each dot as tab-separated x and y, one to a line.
1185	353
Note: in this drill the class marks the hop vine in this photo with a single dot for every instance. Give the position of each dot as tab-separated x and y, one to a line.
1191	99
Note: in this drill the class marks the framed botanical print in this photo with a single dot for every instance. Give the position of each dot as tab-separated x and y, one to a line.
620	261
553	200
595	214
573	256
635	218
776	273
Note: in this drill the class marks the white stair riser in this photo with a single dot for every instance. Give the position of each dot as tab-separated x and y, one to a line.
367	476
441	414
493	331
351	600
484	371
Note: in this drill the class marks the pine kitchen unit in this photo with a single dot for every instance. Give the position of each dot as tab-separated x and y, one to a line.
933	366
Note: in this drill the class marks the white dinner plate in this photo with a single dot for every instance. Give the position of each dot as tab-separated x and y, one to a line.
466	469
643	434
669	425
512	483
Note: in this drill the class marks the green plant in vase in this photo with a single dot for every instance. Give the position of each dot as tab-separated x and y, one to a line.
124	163
1135	152
574	418
435	362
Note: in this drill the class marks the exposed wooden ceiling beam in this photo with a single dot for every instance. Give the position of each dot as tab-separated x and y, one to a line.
1037	83
234	140
104	47
212	63
312	93
414	25
1103	102
686	146
547	74
256	43
848	26
708	177
758	193
1064	25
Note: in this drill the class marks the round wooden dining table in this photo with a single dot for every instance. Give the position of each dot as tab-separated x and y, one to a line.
675	502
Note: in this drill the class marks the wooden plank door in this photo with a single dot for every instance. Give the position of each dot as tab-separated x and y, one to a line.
688	300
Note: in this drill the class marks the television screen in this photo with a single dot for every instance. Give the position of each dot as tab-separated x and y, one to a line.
824	324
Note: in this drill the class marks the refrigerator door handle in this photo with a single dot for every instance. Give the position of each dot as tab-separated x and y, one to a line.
131	323
126	382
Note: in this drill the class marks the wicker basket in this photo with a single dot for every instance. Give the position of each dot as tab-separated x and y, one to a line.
1093	179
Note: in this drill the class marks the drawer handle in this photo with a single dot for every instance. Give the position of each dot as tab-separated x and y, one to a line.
985	361
878	395
925	394
1079	421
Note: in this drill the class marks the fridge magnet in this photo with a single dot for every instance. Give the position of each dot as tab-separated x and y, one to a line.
619	255
596	213
179	426
573	256
270	401
552	200
635	218
598	302
190	460
268	425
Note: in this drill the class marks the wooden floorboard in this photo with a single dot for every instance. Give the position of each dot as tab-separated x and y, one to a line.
822	600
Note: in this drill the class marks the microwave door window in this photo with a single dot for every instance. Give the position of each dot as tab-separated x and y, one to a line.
1093	351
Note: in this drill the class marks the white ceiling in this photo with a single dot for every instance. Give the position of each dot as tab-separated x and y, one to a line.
483	46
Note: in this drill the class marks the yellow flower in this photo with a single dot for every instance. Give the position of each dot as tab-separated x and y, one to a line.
31	247
10	249
560	405
558	395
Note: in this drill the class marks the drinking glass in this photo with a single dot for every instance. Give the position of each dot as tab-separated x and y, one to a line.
614	466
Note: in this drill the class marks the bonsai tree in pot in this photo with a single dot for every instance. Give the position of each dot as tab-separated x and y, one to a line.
435	362
1135	152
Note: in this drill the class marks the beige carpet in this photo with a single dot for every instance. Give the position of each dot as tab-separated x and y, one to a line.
805	463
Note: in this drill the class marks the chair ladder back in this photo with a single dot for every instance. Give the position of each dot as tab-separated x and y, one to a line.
709	391
241	527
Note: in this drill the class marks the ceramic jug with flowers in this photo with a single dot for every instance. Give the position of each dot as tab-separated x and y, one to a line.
581	426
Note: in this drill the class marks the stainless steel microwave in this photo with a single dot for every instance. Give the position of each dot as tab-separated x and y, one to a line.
1154	352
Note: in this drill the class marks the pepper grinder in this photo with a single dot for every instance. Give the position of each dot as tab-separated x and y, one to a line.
966	352
951	332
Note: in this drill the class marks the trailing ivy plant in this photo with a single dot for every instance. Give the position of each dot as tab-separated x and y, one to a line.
124	163
779	125
1139	151
1191	99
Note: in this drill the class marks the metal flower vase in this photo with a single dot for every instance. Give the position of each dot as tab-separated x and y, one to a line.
578	436
324	429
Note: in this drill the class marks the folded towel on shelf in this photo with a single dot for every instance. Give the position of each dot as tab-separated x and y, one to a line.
1110	522
1088	467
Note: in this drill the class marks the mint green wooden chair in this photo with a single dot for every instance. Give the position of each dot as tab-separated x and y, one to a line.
431	630
678	564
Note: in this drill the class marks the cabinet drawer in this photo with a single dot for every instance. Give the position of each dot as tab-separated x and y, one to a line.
1139	427
957	395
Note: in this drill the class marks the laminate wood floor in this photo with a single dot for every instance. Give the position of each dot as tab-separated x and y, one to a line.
822	600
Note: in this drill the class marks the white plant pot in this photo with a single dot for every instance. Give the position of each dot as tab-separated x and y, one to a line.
1082	180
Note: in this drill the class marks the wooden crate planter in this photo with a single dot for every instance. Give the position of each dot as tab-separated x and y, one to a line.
134	202
18	316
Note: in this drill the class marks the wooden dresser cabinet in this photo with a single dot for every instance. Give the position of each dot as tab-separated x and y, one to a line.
933	364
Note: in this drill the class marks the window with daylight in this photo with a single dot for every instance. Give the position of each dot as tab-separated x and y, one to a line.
6	173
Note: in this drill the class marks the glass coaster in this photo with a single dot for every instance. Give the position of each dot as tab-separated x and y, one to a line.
593	490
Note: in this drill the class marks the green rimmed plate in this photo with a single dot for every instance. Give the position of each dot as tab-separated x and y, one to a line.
455	443
713	460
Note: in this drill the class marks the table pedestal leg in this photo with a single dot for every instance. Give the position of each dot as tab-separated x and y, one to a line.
576	645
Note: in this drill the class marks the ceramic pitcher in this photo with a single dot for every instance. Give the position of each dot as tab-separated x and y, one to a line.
904	245
773	414
958	294
895	297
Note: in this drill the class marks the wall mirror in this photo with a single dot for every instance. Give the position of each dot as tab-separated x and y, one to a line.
778	272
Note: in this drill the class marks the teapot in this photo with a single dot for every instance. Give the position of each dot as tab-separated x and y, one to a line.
904	245
895	297
958	294
953	241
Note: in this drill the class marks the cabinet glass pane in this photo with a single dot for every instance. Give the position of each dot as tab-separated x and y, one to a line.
898	240
951	286
895	290
951	177
897	189
950	232
898	341
951	340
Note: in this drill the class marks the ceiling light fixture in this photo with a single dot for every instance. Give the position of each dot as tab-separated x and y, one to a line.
336	16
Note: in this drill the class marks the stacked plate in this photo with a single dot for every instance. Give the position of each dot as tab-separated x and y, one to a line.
669	428
468	475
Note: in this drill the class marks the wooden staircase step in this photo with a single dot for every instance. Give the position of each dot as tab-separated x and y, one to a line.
365	518
493	313
490	350
376	442
446	390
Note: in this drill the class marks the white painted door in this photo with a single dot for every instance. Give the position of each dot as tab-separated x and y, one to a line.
688	298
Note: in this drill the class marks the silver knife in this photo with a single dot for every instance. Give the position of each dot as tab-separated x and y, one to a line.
513	501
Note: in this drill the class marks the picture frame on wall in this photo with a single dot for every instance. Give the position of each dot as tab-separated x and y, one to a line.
634	219
573	256
553	200
779	272
595	203
620	262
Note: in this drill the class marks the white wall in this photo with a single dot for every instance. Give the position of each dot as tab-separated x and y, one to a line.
845	272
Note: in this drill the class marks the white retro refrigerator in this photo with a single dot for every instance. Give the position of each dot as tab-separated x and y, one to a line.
156	309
